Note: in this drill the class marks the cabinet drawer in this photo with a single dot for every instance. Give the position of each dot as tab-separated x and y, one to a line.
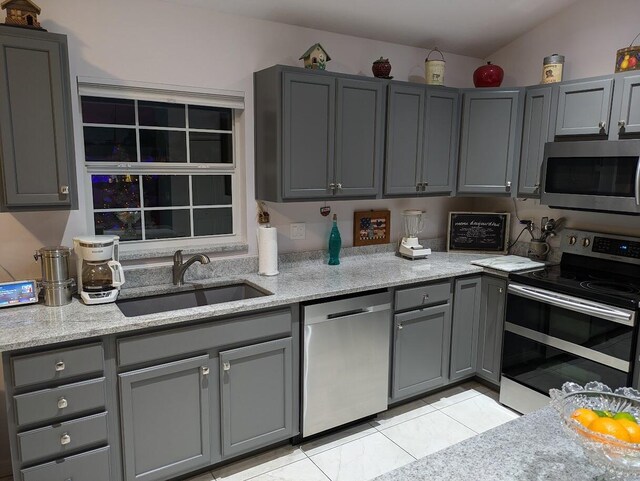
91	466
56	365
423	296
62	438
203	337
50	404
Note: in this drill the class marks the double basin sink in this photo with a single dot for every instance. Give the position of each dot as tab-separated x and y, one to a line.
201	296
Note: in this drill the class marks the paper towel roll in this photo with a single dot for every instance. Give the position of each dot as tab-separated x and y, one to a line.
267	251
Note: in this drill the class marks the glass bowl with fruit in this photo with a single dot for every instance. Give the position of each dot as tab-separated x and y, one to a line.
605	423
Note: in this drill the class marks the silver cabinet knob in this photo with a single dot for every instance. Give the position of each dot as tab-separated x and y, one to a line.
602	125
60	366
536	188
64	189
339	186
205	370
332	186
621	125
62	403
424	186
226	366
500	290
65	439
425	298
399	327
418	186
508	186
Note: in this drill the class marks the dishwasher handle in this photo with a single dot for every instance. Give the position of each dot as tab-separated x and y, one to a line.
334	316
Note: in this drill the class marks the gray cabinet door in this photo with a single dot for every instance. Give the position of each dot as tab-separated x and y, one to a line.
489	142
256	386
166	419
440	151
421	350
405	132
535	133
359	138
628	122
494	292
35	121
584	107
464	327
309	132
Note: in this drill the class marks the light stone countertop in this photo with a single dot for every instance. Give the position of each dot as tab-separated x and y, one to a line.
530	448
38	325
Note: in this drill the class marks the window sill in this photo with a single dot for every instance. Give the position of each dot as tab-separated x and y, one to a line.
151	253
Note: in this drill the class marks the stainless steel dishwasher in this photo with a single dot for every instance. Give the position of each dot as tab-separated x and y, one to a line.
346	360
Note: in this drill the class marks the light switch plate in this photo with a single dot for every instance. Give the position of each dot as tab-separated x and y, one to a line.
298	231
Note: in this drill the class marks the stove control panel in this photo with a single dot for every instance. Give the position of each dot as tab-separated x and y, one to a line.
604	246
616	247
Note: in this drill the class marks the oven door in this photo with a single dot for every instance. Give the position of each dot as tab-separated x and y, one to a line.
552	338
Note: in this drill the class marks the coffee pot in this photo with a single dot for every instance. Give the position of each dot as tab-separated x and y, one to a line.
100	274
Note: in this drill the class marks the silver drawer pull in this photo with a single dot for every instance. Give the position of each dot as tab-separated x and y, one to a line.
508	186
226	366
62	403
399	326
204	370
425	298
65	439
60	366
64	189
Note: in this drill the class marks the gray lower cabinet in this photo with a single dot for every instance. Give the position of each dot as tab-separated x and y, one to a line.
491	327
584	107
421	350
625	114
537	129
166	418
256	386
37	151
489	141
464	328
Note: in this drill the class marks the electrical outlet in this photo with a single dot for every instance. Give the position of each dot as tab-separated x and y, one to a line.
298	231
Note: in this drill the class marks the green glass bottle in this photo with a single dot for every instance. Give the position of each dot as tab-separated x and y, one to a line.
335	242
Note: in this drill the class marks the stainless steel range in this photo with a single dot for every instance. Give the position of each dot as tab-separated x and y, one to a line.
576	321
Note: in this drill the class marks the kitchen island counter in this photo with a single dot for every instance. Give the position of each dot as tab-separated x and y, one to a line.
530	448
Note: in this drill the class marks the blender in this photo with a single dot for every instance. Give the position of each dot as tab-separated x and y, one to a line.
100	275
410	248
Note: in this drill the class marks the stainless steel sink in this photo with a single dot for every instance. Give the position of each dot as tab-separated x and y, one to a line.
204	296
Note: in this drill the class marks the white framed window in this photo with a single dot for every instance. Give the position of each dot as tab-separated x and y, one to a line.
163	166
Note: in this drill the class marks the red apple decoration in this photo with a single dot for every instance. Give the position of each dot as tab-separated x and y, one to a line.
488	76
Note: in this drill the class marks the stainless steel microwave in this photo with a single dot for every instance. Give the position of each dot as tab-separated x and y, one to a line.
592	175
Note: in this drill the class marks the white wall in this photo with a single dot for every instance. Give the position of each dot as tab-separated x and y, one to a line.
165	42
588	34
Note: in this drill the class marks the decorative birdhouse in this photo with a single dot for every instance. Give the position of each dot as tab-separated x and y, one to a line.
21	13
315	57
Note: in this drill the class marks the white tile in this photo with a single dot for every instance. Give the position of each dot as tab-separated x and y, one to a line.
480	413
362	459
202	477
428	434
338	438
401	414
298	471
259	464
451	396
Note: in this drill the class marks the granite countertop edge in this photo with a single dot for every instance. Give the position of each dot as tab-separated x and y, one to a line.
38	325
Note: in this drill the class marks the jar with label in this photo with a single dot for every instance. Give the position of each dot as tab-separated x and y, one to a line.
552	69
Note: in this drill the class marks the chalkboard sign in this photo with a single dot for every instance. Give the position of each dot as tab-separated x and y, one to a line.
478	232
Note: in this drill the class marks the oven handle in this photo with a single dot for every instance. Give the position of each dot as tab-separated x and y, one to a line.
638	183
621	316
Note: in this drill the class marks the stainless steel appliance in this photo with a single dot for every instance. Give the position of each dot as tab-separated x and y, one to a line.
100	275
410	248
346	361
577	321
592	175
57	284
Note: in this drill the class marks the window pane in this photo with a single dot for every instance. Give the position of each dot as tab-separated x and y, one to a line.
127	225
213	118
165	190
163	224
210	148
212	221
97	110
163	146
115	191
106	144
158	114
211	189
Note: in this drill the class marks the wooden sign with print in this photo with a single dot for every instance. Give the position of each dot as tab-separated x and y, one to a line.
478	232
371	227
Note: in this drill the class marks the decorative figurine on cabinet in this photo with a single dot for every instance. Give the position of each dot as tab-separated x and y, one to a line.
315	57
22	13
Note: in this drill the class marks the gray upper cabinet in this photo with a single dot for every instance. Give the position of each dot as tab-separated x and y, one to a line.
584	107
464	329
36	129
256	386
492	311
626	107
536	131
317	135
166	418
490	140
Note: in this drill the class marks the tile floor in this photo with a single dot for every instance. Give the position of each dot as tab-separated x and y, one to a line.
393	439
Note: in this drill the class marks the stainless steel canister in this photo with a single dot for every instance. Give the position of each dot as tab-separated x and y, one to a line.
552	69
54	262
58	293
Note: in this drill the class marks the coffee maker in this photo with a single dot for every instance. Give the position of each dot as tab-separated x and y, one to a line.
100	275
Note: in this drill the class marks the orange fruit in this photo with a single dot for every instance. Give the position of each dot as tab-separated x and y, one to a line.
632	428
584	416
612	427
